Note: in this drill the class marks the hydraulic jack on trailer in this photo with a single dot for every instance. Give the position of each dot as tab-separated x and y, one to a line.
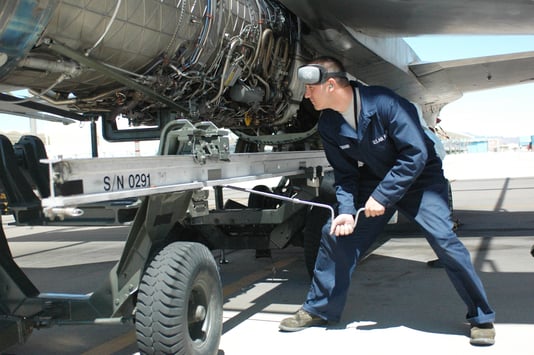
166	272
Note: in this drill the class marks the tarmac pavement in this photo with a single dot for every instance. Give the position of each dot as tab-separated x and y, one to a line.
397	304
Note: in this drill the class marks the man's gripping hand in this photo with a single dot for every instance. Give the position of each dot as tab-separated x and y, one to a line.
342	225
373	208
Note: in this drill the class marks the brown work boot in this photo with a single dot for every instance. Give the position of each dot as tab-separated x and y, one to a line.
301	320
482	334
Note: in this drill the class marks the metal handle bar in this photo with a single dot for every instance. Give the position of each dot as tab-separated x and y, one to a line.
295	200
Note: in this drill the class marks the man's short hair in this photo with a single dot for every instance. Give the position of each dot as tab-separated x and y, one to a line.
332	64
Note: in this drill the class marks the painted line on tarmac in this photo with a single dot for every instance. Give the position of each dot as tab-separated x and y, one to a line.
127	339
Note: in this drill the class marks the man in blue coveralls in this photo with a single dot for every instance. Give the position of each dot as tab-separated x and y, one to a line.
383	161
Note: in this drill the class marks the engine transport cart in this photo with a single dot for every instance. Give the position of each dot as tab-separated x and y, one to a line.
166	280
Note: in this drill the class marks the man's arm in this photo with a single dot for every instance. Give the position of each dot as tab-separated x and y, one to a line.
408	137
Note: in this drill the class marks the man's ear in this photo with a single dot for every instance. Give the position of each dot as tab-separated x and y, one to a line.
331	83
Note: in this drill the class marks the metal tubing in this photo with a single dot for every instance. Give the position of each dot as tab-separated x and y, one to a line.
112	73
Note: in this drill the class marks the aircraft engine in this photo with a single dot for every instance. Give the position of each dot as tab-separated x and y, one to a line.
228	61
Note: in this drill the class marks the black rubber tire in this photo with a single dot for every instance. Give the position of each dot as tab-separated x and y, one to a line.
260	201
179	303
315	220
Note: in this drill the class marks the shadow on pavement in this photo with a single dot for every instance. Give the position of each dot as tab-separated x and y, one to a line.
389	292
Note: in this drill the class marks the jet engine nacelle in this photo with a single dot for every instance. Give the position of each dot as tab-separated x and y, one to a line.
231	62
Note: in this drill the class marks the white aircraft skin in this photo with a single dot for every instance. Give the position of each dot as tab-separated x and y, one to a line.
367	35
167	55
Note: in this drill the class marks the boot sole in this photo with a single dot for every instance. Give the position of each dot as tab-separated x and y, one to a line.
482	342
285	328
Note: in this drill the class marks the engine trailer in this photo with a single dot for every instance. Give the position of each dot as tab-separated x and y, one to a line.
166	280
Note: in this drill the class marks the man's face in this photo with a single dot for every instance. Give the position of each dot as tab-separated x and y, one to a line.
318	95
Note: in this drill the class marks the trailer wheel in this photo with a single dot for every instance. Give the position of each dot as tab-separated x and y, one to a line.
179	303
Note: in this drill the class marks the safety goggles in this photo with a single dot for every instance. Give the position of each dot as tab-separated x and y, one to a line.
312	74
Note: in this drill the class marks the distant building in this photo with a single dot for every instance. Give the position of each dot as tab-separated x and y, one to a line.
462	143
478	146
456	143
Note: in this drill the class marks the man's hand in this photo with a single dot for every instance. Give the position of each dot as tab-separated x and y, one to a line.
373	208
342	225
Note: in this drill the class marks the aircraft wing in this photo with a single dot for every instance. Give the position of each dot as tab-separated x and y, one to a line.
367	36
476	74
403	18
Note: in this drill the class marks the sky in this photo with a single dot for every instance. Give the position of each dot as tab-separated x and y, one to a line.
504	112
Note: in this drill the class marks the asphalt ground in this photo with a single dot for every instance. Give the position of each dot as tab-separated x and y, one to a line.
397	304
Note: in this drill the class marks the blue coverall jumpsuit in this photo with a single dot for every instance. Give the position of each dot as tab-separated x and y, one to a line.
400	171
